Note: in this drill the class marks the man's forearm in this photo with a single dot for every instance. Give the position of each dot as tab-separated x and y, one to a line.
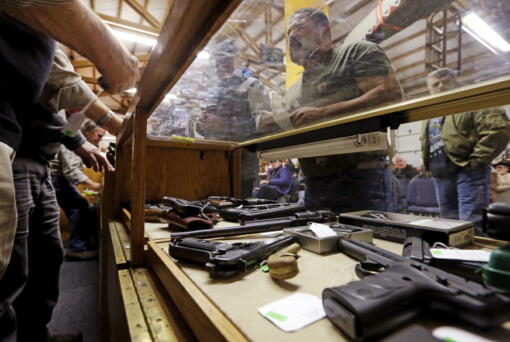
76	26
385	92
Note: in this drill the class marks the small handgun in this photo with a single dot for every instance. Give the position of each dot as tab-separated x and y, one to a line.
222	259
260	211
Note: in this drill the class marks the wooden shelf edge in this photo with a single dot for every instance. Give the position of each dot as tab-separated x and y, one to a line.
205	319
163	320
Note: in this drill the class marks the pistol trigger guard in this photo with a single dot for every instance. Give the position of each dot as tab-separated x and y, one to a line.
366	268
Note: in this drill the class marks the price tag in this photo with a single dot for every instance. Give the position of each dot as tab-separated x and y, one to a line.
322	230
460	254
294	312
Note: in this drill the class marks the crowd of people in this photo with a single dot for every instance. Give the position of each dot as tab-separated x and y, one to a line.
36	84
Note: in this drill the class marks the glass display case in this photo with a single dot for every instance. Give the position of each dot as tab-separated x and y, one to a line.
333	85
275	67
392	106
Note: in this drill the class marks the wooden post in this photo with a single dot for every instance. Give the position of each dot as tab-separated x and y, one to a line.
139	170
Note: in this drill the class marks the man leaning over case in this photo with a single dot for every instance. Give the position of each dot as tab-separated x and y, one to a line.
337	81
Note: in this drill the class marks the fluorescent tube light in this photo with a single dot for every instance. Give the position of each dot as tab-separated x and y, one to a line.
352	144
203	55
132	37
481	31
131	91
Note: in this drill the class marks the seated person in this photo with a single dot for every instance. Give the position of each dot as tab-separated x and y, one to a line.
280	184
403	172
502	186
402	169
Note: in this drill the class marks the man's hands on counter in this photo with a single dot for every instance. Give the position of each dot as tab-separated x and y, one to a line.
306	115
93	158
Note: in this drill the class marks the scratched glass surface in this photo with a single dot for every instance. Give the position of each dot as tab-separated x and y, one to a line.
272	67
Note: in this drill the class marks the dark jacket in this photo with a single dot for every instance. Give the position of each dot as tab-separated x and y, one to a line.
282	180
407	172
42	135
25	60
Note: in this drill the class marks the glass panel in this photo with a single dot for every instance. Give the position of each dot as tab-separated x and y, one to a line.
450	167
356	55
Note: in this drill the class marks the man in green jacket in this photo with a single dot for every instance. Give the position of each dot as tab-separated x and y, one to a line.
458	149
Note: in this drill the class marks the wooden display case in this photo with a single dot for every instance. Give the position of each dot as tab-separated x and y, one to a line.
134	264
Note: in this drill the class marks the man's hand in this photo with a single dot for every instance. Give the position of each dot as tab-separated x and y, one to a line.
305	116
78	27
209	123
267	123
119	74
264	182
93	158
95	186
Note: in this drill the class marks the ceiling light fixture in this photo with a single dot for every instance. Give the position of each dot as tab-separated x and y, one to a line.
203	55
132	37
486	35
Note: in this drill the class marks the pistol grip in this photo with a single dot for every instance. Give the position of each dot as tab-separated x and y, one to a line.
372	307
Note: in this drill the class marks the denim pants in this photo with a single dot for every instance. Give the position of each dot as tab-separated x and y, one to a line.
353	190
464	195
82	222
29	288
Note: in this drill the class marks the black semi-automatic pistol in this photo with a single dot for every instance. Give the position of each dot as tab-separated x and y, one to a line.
405	288
417	249
222	259
260	211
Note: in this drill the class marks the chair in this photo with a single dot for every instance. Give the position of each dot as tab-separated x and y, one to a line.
421	196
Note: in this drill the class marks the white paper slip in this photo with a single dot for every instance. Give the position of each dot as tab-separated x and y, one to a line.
322	230
294	312
452	334
460	254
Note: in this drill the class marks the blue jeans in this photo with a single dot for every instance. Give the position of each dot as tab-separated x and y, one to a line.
353	190
464	195
82	224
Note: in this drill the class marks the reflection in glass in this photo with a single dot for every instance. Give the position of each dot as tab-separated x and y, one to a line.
354	55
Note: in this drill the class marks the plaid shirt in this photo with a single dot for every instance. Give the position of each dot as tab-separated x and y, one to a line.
32	3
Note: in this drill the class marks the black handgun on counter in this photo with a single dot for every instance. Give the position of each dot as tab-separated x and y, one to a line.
183	207
260	211
380	303
222	259
417	249
260	226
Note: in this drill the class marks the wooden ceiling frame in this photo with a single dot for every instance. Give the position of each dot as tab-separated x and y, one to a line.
144	13
129	25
